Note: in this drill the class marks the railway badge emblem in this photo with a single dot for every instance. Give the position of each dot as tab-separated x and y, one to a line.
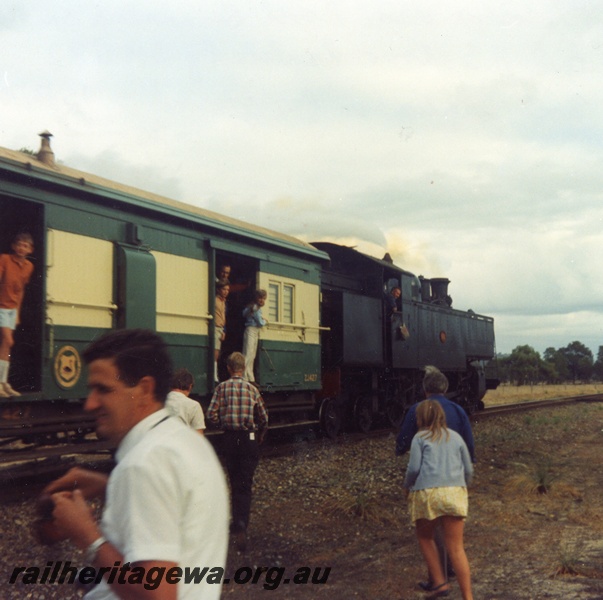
67	367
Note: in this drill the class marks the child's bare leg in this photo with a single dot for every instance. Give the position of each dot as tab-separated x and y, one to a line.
426	535
453	536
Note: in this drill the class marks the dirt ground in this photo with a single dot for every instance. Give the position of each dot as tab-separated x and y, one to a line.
534	531
335	513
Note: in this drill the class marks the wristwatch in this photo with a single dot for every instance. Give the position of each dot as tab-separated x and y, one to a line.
92	550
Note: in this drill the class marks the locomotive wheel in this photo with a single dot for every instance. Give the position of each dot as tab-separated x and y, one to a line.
330	418
363	414
394	412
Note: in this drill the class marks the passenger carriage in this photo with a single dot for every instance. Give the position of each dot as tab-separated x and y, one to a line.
111	256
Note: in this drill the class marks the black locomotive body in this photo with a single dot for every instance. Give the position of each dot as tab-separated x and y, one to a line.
373	358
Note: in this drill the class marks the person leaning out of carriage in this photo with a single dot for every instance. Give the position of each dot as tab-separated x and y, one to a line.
15	273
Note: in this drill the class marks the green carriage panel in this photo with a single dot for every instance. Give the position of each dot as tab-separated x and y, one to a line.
284	366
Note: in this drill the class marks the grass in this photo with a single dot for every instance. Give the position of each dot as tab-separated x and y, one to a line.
367	505
509	394
571	565
539	479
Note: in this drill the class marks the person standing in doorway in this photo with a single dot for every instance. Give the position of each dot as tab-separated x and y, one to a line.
222	291
254	321
15	273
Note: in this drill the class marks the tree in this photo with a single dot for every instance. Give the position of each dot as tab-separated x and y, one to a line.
598	366
524	365
579	361
555	366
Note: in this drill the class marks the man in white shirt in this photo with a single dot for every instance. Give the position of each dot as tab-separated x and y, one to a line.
180	405
166	501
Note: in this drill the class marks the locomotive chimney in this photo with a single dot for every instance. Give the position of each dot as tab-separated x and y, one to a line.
45	153
425	289
439	289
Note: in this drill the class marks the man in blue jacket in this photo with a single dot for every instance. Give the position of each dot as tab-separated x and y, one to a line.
435	385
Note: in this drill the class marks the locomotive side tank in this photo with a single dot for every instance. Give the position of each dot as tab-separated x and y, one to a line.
373	357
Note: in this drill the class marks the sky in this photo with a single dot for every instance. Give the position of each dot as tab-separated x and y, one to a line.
463	137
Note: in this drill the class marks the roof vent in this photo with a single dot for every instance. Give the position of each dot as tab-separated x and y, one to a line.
45	154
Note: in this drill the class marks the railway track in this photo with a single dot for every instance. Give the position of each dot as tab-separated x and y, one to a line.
501	409
31	462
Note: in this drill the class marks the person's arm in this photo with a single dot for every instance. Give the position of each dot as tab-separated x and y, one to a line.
260	417
91	483
198	419
414	463
467	435
467	464
407	432
74	517
213	411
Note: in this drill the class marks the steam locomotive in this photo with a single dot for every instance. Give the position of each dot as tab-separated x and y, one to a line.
109	256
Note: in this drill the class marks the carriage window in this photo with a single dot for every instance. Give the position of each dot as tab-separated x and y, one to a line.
273	305
281	302
287	303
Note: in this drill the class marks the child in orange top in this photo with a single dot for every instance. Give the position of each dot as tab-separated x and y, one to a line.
15	273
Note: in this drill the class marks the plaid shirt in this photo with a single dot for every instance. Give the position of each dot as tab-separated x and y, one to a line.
237	405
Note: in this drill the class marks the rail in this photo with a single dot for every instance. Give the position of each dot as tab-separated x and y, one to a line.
14	463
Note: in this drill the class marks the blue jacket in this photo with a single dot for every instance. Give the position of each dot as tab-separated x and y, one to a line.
253	317
445	463
456	419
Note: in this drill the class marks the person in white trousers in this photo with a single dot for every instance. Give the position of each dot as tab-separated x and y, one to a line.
254	321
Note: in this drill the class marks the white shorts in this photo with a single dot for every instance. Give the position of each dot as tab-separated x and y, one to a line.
8	317
218	338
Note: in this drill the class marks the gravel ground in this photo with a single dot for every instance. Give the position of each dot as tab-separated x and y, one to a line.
340	506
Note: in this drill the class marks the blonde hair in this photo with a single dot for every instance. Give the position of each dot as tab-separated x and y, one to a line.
236	362
432	420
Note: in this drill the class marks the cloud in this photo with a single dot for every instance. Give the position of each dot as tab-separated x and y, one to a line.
464	138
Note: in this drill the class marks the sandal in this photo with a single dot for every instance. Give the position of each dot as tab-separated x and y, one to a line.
440	593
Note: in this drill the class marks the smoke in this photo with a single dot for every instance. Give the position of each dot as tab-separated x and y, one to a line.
416	256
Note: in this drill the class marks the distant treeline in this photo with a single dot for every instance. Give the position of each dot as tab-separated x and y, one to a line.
525	366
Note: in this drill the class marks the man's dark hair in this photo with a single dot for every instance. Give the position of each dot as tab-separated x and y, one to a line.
434	382
182	379
23	237
137	353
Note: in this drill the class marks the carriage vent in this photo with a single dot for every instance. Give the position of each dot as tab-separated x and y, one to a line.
45	153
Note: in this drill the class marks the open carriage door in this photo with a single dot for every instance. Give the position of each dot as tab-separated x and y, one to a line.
18	216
